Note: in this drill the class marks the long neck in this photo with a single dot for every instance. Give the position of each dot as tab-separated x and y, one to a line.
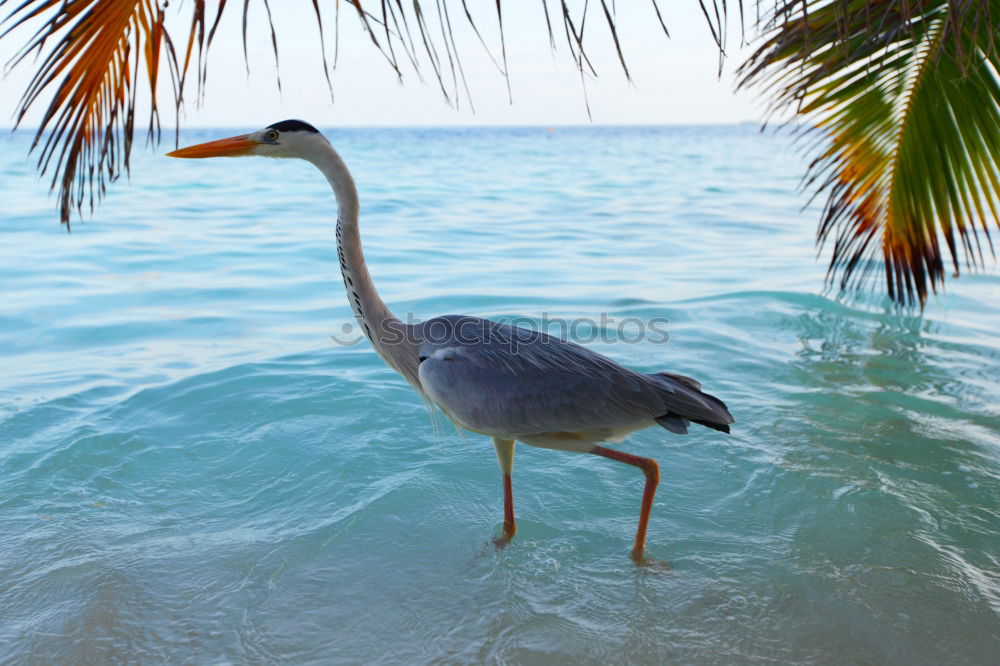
385	332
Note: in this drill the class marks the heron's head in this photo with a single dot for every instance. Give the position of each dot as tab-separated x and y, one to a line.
289	138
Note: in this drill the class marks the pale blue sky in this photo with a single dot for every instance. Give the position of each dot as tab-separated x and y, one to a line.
675	80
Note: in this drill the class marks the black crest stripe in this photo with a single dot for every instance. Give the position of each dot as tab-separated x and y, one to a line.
293	126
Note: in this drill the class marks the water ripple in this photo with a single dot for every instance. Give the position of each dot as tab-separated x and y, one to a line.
191	470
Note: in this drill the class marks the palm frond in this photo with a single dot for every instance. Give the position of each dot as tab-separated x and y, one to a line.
93	53
100	48
904	101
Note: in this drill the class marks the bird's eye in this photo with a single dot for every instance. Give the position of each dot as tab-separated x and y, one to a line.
272	135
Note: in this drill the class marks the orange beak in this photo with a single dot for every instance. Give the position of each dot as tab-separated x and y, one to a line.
234	146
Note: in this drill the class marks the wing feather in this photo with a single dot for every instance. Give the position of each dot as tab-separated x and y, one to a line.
499	378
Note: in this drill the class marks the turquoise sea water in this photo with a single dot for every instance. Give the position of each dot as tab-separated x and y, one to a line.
193	471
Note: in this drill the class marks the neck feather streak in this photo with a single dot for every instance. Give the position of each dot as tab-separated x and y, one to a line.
385	332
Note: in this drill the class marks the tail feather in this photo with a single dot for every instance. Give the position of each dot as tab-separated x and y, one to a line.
721	427
674	423
683	379
689	403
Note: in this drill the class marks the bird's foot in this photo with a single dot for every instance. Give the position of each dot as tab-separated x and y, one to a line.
502	541
649	563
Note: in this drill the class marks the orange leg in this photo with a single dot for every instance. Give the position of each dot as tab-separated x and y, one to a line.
509	526
505	456
652	471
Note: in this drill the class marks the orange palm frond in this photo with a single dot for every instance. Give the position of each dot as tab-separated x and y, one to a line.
93	52
99	47
904	97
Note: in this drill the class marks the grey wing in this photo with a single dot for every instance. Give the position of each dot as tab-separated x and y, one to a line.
500	379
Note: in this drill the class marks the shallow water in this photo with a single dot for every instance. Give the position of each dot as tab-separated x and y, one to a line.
193	471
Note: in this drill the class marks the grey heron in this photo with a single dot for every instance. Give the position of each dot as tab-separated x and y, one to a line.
509	383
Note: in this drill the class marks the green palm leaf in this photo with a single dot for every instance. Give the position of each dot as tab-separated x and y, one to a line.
905	100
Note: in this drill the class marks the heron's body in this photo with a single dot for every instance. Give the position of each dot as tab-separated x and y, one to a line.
514	383
509	383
